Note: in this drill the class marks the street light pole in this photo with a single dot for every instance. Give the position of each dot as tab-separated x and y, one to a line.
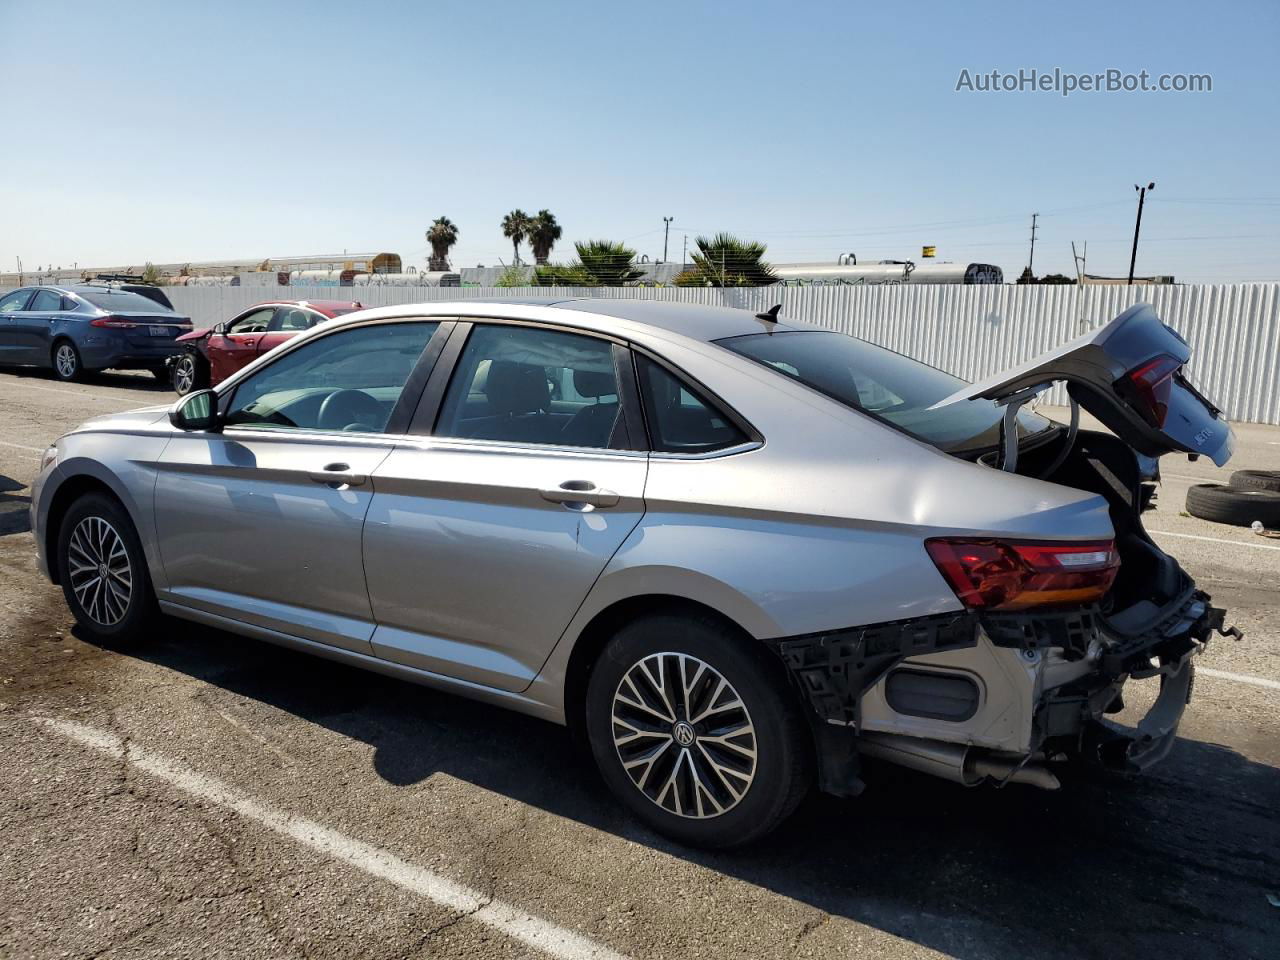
1142	196
666	230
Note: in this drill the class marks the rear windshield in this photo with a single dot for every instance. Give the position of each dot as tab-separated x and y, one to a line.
885	384
120	301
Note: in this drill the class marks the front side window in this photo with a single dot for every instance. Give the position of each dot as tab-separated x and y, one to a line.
15	301
255	322
46	301
348	381
885	384
526	385
680	420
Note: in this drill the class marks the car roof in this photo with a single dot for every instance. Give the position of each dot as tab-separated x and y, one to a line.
603	314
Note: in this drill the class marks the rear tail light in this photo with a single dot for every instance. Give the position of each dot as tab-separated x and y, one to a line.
1152	383
1015	575
116	323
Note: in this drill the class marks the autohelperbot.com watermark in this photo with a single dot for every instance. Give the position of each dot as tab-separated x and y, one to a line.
1065	82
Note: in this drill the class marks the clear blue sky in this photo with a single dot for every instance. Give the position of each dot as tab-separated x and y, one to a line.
183	131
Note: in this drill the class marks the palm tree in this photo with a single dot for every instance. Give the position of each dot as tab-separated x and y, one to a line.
543	234
515	227
442	235
726	261
607	264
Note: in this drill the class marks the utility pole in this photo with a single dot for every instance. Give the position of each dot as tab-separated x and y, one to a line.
666	229
1142	196
684	252
1032	258
1081	260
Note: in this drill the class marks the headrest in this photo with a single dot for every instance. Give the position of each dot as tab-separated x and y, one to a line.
590	383
516	387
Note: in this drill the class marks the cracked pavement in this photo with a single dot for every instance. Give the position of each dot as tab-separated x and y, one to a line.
101	859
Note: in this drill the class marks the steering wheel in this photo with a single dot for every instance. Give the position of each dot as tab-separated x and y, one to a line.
349	410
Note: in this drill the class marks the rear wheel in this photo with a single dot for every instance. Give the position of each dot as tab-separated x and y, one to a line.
103	571
190	372
66	361
1241	507
693	729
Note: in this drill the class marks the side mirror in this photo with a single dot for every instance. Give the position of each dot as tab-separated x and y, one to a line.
220	329
197	411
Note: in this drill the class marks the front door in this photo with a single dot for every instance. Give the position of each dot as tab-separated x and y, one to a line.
483	539
238	345
34	326
262	522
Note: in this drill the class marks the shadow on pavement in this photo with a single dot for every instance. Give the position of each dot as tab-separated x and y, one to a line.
127	380
1176	862
14	516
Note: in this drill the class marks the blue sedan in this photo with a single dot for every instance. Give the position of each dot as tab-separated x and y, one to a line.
76	329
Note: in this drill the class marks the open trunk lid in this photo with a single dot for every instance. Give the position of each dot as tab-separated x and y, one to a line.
1128	373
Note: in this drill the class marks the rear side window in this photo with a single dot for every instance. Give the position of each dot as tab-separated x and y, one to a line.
121	301
680	419
46	301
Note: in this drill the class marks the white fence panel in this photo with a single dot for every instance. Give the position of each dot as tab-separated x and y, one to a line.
971	331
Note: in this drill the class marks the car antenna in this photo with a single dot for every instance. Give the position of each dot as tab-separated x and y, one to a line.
770	315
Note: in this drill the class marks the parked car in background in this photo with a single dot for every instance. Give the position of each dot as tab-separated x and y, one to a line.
210	356
77	329
738	553
135	284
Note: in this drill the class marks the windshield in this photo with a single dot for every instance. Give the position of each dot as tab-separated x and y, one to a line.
885	384
121	301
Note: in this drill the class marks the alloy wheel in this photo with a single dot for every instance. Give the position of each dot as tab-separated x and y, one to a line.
184	374
101	575
684	735
64	358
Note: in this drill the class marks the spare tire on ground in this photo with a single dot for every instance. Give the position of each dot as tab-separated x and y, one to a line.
1241	507
1256	480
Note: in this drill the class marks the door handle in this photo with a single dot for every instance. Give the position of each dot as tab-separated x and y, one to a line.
338	475
577	493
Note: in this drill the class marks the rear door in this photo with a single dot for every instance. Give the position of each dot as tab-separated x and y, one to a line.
238	346
30	330
287	323
1130	374
487	532
12	323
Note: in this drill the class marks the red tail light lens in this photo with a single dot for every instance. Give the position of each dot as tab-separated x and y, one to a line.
1153	382
114	322
1015	575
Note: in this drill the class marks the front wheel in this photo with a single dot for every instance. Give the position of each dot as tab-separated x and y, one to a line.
66	361
696	732
190	372
103	571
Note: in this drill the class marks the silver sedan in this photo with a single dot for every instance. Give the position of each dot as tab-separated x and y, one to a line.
740	554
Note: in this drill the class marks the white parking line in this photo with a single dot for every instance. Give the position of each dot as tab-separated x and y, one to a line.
80	394
20	446
533	931
1234	543
1183	476
1239	678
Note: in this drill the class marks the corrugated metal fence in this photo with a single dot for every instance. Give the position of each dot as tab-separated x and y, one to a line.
971	331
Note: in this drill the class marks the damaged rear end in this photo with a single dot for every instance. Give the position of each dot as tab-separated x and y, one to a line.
1053	631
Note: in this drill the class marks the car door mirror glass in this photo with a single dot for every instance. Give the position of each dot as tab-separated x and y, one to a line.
197	411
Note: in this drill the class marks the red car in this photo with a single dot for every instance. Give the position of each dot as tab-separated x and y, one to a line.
212	355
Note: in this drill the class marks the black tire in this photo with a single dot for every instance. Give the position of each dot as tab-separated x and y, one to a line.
1256	480
781	775
190	373
1240	507
100	612
65	360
